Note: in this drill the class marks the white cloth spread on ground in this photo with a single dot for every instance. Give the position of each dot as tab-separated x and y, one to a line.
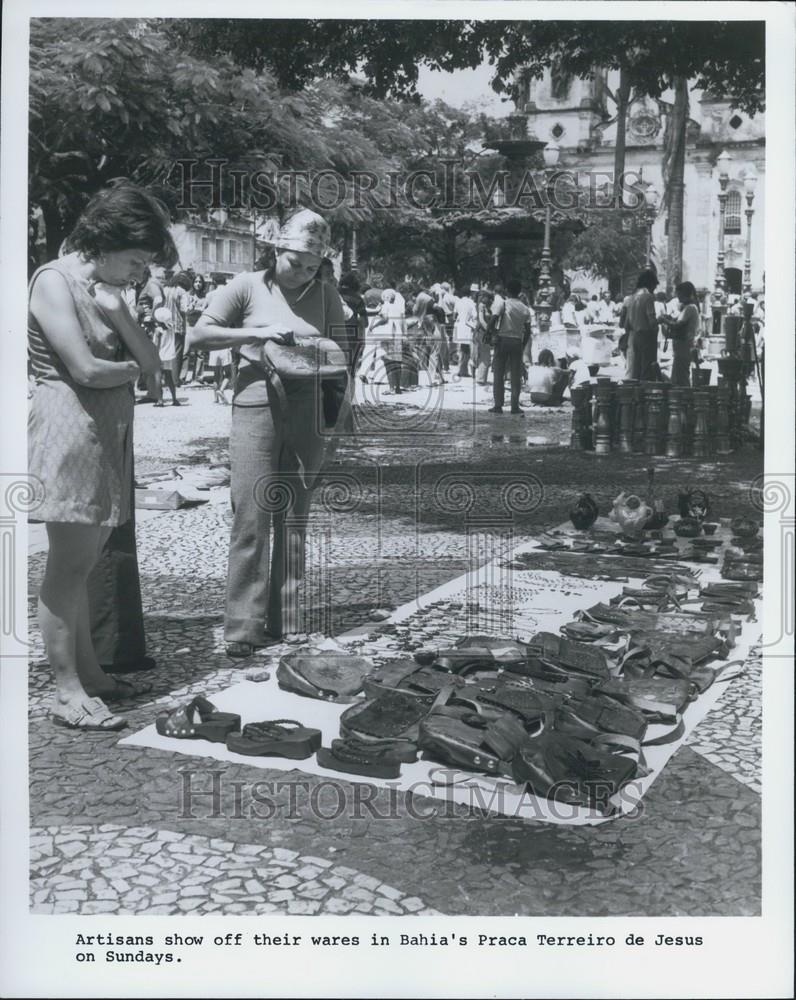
566	595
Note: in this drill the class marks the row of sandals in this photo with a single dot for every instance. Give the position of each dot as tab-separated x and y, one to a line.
566	716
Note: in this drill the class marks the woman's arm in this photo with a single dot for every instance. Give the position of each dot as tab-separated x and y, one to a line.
135	340
53	307
209	335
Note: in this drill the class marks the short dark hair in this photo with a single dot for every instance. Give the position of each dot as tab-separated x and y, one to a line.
124	216
647	279
513	287
546	358
182	280
349	282
686	290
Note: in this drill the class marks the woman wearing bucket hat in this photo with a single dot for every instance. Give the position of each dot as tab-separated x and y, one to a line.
280	428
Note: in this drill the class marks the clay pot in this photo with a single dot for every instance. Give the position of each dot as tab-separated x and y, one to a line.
687	527
710	527
693	504
630	514
744	527
584	513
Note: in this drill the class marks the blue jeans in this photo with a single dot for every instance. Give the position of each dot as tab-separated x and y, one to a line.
276	458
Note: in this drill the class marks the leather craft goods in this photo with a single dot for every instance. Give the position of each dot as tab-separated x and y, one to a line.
601	714
740	590
742	571
637	621
754	544
352	759
578	656
198	720
404	751
752	557
656	697
480	652
317	674
587	631
744	527
393	715
422	683
567	769
276	738
698	556
610	566
472	742
534	707
646	597
687	527
707	543
549	678
584	513
732	606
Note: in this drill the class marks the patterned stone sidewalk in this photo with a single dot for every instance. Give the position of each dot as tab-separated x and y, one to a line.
127	870
107	835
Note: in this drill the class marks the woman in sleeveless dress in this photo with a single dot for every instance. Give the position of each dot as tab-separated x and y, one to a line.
85	353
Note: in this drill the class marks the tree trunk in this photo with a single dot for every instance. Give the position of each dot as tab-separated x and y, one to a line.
675	194
451	255
55	231
622	98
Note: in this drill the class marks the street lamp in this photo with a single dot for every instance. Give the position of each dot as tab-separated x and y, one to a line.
750	183
544	292
652	198
719	295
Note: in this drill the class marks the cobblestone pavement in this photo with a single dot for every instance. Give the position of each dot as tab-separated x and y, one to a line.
113	831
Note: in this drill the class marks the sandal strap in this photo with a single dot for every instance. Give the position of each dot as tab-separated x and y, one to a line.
271	728
92	710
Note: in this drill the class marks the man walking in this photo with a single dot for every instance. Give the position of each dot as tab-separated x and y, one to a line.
511	324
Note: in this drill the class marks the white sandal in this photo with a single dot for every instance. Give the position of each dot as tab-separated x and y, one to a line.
90	714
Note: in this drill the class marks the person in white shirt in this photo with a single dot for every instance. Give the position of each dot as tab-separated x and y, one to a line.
579	369
466	321
568	315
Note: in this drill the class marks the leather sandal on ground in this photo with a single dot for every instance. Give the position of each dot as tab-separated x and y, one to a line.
352	759
198	720
277	738
89	714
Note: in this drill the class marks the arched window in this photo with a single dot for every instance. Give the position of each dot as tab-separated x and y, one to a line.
732	218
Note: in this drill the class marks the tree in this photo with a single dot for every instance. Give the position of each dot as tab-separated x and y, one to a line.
727	57
116	97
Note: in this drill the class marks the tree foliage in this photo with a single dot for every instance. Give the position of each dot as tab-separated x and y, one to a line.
725	56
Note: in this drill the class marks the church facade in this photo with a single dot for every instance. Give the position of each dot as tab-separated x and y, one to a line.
577	114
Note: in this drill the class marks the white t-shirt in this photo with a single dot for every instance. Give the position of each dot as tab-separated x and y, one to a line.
581	372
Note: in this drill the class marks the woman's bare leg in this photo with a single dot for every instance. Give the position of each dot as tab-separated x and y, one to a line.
74	549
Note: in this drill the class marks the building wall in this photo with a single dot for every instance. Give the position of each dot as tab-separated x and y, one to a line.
220	245
573	117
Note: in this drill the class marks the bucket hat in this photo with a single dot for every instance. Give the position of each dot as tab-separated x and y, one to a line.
305	232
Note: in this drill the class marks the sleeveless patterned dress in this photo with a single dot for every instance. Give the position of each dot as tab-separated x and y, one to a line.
80	440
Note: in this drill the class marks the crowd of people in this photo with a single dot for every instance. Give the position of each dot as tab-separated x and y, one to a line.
111	311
